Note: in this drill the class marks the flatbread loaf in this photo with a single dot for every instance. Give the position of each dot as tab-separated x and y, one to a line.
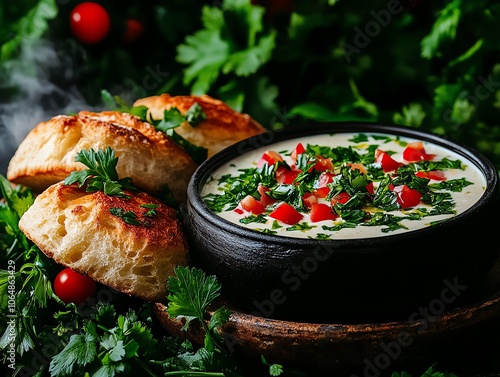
222	127
151	158
78	230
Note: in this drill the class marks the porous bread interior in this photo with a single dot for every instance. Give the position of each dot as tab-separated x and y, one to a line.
80	233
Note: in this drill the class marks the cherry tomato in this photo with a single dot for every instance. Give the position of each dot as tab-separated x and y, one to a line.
386	162
287	214
321	212
134	31
70	286
90	22
406	196
437	175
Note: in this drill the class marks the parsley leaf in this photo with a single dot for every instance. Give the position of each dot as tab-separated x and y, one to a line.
101	174
224	45
80	351
191	291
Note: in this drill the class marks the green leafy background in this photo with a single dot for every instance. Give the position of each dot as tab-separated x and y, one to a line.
433	65
426	64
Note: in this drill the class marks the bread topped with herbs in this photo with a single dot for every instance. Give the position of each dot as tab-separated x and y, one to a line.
221	127
154	162
130	242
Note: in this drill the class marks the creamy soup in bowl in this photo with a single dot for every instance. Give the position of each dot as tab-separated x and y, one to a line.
347	185
358	220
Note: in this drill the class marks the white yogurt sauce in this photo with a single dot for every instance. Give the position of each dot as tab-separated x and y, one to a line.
463	200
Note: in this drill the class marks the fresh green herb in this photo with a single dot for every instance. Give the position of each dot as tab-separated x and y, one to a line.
101	174
128	216
303	226
254	219
172	119
191	291
455	185
151	207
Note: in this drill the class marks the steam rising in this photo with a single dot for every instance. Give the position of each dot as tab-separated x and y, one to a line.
34	74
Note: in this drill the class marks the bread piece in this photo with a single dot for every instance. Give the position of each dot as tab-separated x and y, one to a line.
222	127
151	158
77	230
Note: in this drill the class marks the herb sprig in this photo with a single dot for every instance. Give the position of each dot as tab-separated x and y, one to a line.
101	174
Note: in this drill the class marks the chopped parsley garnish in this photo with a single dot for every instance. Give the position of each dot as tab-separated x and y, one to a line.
352	181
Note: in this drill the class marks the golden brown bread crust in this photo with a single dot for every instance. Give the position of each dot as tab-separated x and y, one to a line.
151	158
223	126
77	230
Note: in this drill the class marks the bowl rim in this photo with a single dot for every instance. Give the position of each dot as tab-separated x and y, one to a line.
204	171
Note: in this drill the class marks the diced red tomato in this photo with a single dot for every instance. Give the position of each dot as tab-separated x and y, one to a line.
299	149
270	158
340	198
323	164
286	176
324	179
416	152
386	162
322	192
370	188
265	199
250	204
321	211
286	214
407	197
437	175
309	199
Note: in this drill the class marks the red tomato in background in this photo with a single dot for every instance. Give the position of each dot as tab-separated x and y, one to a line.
406	196
90	22
134	31
70	286
286	214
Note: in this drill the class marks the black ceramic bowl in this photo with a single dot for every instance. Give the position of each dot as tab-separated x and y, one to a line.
352	279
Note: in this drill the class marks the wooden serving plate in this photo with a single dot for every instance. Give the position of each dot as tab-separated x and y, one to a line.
376	345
